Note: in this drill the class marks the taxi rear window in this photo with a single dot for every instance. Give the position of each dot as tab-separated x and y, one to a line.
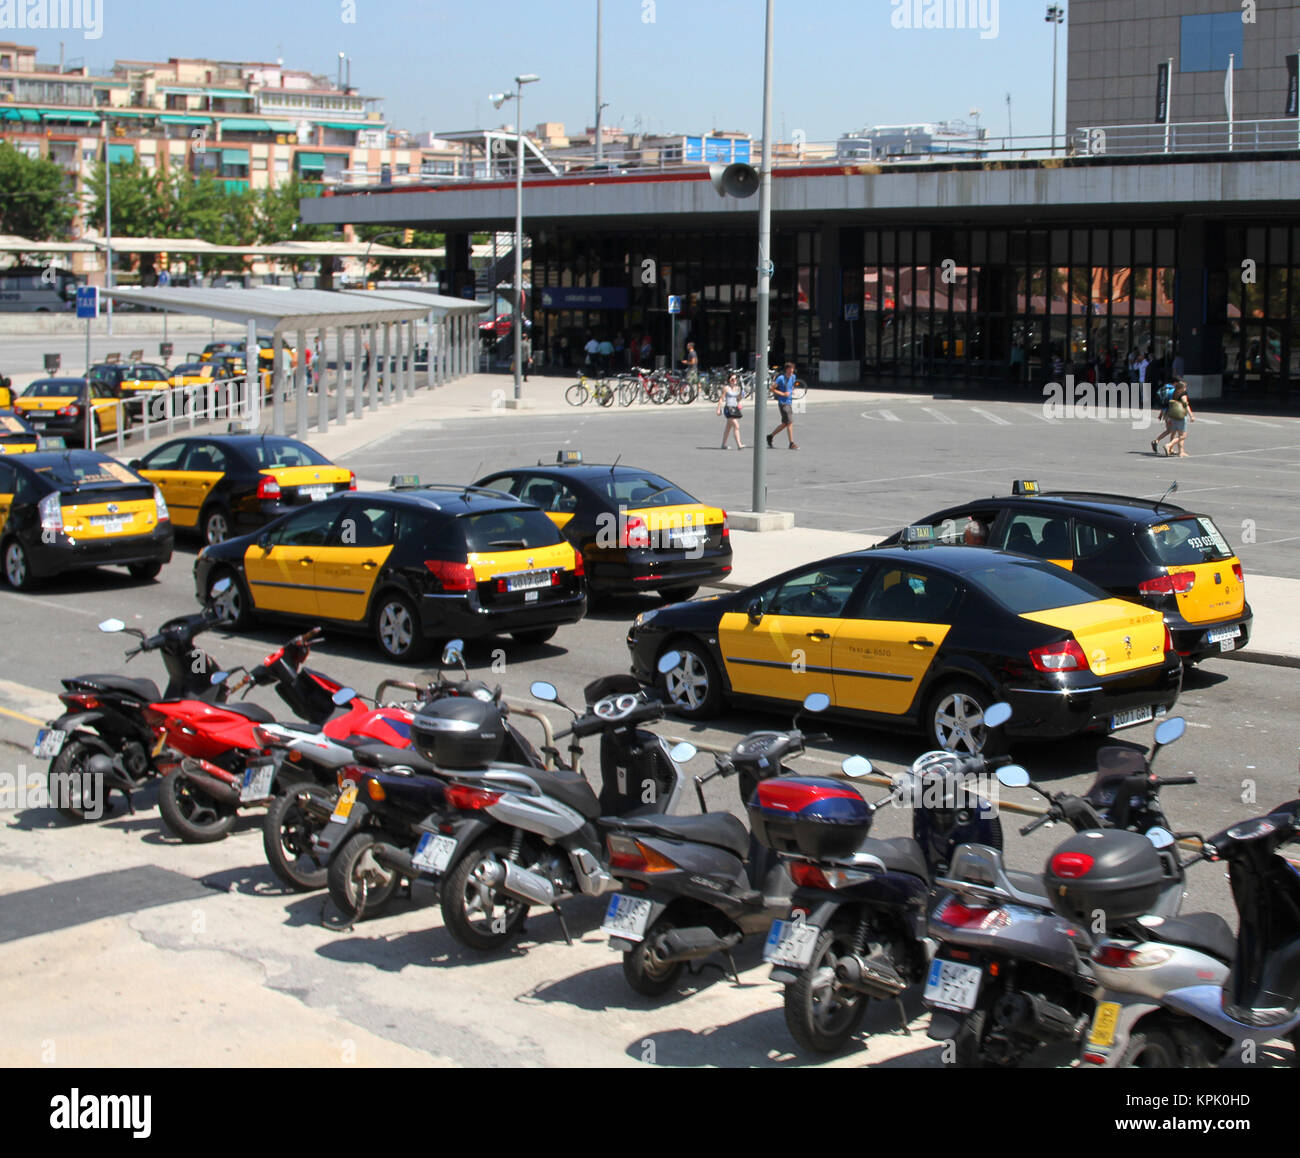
1025	587
54	388
637	489
285	452
508	531
1183	541
74	473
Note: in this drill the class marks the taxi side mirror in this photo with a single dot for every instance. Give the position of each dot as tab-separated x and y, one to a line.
755	610
264	541
134	464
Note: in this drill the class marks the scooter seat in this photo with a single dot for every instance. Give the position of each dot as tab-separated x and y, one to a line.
567	787
719	829
142	689
900	854
376	755
254	712
1205	931
1031	884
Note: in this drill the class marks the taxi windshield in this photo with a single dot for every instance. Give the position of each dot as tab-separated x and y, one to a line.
54	388
285	452
1024	587
192	368
638	488
1184	541
508	531
71	473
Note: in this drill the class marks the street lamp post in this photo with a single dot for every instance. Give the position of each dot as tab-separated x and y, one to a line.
600	144
108	226
764	276
498	100
1055	17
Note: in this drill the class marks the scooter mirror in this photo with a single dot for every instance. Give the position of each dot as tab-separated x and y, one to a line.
1167	731
684	752
816	702
996	715
454	652
856	766
219	677
668	661
1013	776
111	625
543	691
344	696
1160	837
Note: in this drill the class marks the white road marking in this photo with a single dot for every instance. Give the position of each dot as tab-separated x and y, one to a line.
940	416
890	416
991	417
1257	422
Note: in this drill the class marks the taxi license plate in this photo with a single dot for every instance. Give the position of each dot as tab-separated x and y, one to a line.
791	943
316	494
688	539
1225	637
110	524
49	743
343	809
1103	1024
257	782
627	917
1131	717
434	853
528	581
953	986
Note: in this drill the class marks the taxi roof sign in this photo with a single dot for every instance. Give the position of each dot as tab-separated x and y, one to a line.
405	482
918	533
569	458
1025	486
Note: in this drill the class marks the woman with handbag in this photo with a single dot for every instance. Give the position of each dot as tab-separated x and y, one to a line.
729	407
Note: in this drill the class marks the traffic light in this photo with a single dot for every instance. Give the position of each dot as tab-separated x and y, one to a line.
408	236
162	261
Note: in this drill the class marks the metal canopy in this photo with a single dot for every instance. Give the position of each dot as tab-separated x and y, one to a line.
430	303
276	311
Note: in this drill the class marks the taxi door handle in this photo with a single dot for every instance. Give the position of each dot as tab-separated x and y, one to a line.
306	559
921	642
370	563
819	634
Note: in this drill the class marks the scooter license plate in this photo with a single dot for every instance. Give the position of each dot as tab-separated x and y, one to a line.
791	943
434	853
1103	1024
343	809
626	917
953	986
49	743
257	782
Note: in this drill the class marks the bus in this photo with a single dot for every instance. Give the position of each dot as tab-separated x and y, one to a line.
37	289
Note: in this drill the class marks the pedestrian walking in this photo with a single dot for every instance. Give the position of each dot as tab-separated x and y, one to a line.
525	355
592	350
1180	413
1165	393
782	389
606	353
729	407
692	364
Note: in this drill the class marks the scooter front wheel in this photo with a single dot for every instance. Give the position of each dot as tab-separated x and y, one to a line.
820	1013
645	972
190	813
286	835
352	870
475	909
67	779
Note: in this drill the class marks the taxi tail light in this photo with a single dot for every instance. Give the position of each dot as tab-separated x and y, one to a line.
268	488
1179	583
1169	640
466	798
452	576
70	411
636	534
1239	573
352	480
160	506
579	568
51	512
1064	656
632	856
726	529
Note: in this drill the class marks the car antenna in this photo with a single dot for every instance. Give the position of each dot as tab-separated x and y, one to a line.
470	486
616	462
1173	486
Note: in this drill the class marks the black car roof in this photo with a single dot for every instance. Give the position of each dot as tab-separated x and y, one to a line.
956	560
1098	502
452	499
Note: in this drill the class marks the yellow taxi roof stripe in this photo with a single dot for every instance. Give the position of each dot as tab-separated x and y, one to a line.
694	514
489	564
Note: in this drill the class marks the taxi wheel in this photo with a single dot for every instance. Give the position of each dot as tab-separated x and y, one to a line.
18	567
144	571
955	720
693	687
215	524
234	605
397	628
533	638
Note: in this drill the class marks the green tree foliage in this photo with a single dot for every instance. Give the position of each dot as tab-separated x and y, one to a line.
34	199
398	268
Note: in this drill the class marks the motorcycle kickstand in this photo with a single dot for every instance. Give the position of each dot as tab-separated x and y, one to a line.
564	925
902	1015
731	961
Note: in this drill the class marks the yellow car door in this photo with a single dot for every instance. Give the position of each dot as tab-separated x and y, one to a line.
782	645
8	484
280	566
348	565
163	468
205	464
891	637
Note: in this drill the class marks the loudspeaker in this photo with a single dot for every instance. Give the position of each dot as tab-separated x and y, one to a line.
734	180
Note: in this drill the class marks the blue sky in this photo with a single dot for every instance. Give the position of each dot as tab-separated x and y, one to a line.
696	65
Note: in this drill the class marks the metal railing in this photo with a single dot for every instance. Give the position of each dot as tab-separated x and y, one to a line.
1263	136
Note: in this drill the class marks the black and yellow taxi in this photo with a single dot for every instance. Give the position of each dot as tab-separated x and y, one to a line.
72	509
265	350
408	565
6	392
921	637
18	436
1150	551
636	530
191	374
61	408
219	485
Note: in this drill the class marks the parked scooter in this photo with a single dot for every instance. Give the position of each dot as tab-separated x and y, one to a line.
532	837
107	715
695	886
1011	977
857	918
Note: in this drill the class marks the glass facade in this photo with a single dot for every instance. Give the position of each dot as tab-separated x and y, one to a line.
1259	309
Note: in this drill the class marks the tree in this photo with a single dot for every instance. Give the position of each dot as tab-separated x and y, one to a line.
397	268
34	199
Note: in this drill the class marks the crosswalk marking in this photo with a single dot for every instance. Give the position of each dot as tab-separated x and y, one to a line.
1256	421
940	416
991	417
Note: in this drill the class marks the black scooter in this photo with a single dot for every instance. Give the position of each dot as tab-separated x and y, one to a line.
696	885
106	716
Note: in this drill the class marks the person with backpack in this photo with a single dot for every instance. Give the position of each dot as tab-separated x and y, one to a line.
1165	393
1180	412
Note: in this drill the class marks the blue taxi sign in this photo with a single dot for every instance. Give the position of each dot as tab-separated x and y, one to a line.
87	301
